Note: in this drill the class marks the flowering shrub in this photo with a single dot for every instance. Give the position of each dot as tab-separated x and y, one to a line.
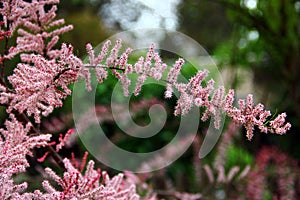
39	83
276	172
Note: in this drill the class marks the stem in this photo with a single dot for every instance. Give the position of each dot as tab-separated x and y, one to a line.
5	52
115	68
53	153
101	66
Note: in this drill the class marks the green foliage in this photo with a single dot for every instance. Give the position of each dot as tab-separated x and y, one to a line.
237	156
87	29
205	22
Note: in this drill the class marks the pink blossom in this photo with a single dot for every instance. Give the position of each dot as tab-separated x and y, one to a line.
36	83
63	139
15	145
38	26
87	185
169	91
193	93
141	79
139	65
278	124
175	71
112	58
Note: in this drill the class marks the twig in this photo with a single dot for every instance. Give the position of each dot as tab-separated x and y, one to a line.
53	153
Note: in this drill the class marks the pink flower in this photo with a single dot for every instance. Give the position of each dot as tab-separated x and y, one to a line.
63	139
15	144
41	31
175	71
193	93
36	83
87	185
278	124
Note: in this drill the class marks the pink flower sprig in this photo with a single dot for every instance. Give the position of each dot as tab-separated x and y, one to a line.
278	125
14	13
38	31
39	85
249	115
15	144
92	184
64	139
193	93
40	80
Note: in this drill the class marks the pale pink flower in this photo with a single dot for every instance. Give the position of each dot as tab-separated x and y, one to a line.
138	67
10	190
36	84
184	104
193	93
169	91
87	185
175	71
38	27
157	71
15	144
111	61
141	79
278	124
63	139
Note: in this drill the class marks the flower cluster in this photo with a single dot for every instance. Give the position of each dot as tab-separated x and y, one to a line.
193	93
38	31
40	81
88	186
40	84
249	115
15	144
